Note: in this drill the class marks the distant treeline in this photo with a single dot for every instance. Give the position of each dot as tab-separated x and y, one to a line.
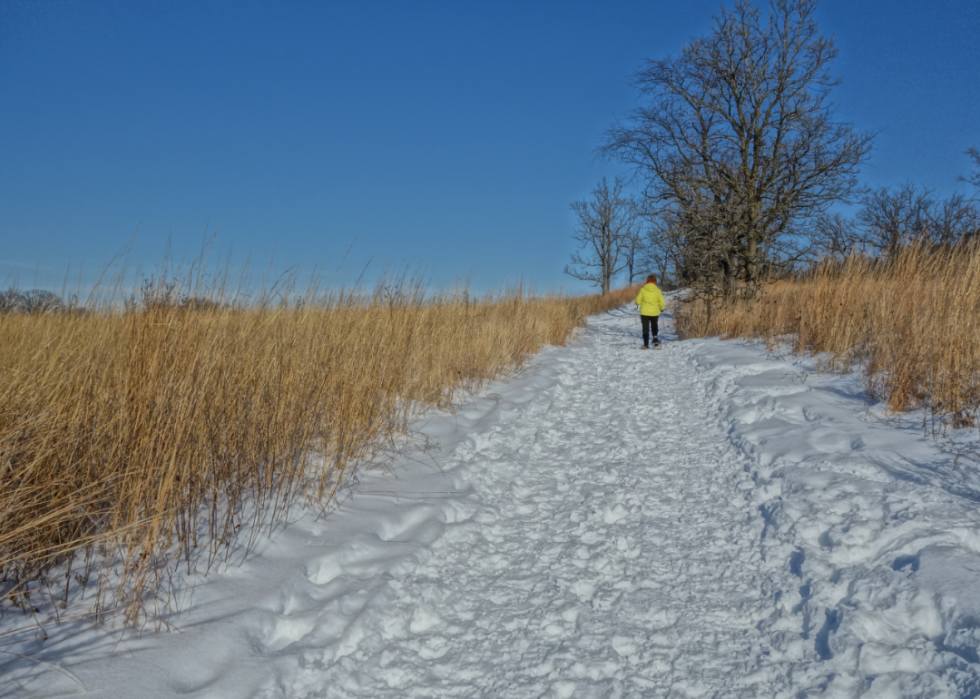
33	302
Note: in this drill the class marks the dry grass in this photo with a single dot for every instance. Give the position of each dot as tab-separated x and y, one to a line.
136	441
912	324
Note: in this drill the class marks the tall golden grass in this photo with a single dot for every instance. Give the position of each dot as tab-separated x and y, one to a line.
135	440
912	324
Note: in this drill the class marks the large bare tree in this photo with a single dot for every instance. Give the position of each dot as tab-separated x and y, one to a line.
738	131
606	233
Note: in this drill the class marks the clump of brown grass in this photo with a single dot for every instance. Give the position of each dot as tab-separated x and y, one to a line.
137	439
912	323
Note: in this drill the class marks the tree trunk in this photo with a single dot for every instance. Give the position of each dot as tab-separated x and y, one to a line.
752	261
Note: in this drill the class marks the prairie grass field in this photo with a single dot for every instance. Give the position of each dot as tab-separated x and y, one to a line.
911	324
139	439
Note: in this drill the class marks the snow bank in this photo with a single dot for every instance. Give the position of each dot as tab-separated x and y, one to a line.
880	527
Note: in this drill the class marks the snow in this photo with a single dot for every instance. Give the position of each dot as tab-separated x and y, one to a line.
707	520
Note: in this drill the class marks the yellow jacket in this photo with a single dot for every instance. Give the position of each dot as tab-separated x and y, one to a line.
650	300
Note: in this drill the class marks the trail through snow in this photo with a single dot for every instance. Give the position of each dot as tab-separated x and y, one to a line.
607	550
707	520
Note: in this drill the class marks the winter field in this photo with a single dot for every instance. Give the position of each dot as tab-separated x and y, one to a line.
146	434
706	520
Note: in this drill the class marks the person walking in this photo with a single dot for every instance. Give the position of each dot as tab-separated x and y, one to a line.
651	303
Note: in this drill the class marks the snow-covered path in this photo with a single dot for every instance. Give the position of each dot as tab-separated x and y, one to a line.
609	551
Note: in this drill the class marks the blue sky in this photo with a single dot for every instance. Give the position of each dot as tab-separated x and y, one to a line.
447	136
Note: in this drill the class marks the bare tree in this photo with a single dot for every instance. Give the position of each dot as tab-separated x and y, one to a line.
10	301
835	235
742	119
634	245
656	258
890	219
953	220
38	301
701	249
974	179
607	227
893	219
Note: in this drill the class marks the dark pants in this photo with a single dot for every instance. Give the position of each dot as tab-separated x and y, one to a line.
650	322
